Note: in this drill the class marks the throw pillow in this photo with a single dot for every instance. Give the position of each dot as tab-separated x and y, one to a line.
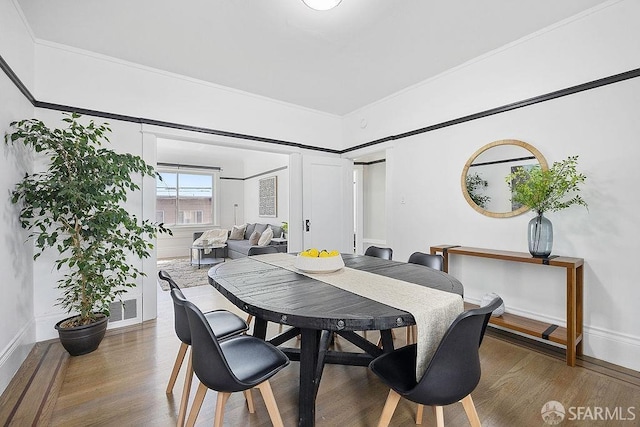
260	228
249	231
253	239
277	230
237	232
266	237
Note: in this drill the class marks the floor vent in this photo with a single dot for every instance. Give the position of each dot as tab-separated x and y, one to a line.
123	310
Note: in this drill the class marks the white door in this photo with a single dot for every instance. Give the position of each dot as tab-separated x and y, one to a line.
327	203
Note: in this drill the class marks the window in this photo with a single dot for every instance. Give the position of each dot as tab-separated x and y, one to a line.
186	198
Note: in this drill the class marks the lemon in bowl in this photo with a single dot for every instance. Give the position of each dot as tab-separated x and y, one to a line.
319	261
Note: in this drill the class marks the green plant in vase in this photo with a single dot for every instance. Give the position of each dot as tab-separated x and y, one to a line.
285	229
546	191
75	208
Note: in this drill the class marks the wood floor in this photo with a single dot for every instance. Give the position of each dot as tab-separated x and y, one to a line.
123	384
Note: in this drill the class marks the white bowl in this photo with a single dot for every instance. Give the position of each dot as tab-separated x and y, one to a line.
319	265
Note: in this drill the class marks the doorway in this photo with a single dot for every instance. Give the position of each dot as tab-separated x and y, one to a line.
369	200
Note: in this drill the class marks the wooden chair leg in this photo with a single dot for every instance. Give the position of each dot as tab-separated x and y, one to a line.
419	413
186	390
220	403
389	408
470	409
438	412
176	366
249	397
270	401
197	404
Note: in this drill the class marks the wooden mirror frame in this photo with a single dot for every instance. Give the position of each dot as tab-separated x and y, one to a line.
541	160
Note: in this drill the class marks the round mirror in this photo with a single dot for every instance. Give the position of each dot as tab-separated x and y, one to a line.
483	177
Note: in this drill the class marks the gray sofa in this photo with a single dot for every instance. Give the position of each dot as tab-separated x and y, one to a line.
240	248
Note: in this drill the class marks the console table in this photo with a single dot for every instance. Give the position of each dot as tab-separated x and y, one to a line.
571	336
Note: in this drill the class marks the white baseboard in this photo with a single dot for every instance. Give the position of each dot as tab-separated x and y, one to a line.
45	329
603	344
45	324
613	347
15	353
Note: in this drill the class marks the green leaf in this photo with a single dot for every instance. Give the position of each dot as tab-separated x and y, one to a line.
548	190
74	208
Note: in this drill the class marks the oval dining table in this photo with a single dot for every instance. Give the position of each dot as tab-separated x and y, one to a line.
316	310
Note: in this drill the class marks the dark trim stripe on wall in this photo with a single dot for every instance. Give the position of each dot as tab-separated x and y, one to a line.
181	166
594	84
370	163
16	81
495	162
509	107
113	116
256	175
267	172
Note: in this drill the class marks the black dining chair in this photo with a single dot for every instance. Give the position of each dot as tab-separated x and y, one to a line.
384	253
223	322
435	261
260	250
239	363
451	375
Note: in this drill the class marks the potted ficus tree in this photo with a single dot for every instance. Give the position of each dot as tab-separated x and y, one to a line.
546	190
75	207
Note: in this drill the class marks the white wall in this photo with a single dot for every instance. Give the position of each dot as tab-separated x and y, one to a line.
17	44
581	49
70	77
17	334
231	202
251	198
374	195
599	125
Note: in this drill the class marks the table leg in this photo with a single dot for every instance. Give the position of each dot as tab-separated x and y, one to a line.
326	338
579	309
259	328
387	340
309	345
571	316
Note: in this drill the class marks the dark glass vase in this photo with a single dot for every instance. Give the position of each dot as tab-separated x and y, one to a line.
540	236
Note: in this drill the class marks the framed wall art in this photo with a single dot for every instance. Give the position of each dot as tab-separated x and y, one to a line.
268	197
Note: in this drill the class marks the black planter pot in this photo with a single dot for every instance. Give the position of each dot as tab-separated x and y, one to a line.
83	339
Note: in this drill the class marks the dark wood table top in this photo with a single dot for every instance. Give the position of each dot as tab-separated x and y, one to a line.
282	296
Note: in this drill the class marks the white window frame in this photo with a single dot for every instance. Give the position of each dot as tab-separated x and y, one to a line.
215	200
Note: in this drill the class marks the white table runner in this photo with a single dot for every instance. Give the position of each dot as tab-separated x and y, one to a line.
433	310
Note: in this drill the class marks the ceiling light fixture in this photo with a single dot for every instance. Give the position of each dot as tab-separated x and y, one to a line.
322	4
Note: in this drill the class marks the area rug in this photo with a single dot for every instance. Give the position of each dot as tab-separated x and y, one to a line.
183	273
